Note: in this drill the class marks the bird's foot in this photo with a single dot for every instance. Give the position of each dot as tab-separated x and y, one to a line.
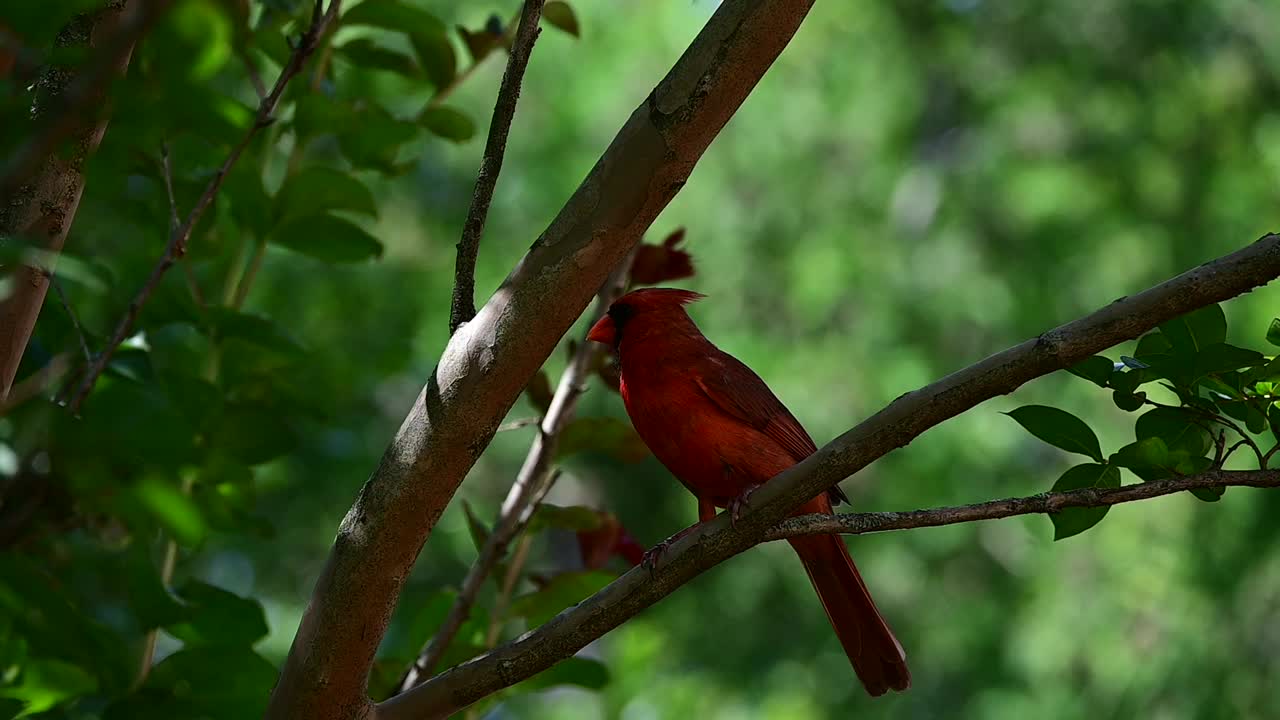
654	555
739	505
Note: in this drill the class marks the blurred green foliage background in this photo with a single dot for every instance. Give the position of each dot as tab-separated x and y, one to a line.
913	186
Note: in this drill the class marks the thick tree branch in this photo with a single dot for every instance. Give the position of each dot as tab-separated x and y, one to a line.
893	427
1044	503
533	481
177	245
463	307
41	187
492	358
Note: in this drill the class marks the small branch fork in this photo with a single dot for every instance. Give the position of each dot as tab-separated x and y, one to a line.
463	307
177	245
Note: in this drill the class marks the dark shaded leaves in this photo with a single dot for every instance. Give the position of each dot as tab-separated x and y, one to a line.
1058	428
316	190
448	123
564	590
1196	330
327	238
604	434
218	617
1096	369
1073	521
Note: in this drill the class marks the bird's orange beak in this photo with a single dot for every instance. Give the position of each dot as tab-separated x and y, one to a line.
604	331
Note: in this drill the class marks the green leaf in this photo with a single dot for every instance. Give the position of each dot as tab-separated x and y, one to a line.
577	670
1176	427
392	15
1128	401
1126	381
560	15
1151	344
225	322
1073	521
179	687
1058	428
218	617
435	56
172	509
149	600
1096	369
1221	357
1151	452
478	530
564	591
317	114
1273	332
573	517
1196	330
368	54
252	434
448	123
317	189
327	238
46	683
1213	494
1255	421
250	204
604	434
373	137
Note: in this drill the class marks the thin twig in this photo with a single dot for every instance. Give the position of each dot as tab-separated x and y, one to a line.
534	481
1042	504
463	307
71	313
177	246
166	173
517	424
508	587
251	69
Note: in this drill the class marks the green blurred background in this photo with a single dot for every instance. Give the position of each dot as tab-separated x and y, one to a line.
913	186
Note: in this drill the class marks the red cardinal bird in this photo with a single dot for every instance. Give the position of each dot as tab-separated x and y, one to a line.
721	431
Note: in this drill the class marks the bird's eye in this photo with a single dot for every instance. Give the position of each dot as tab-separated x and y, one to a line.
621	314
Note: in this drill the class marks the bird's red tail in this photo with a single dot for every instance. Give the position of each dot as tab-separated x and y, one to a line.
876	655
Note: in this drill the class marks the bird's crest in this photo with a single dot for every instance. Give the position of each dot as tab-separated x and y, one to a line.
659	298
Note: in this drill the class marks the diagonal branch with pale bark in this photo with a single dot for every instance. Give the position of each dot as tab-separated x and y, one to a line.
490	359
893	427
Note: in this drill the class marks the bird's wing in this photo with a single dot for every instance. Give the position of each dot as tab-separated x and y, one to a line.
739	391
